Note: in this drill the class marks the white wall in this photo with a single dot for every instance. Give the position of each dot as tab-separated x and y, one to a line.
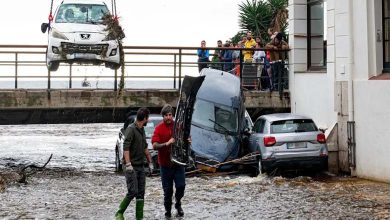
313	98
372	118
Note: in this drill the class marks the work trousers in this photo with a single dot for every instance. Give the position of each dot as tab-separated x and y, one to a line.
135	181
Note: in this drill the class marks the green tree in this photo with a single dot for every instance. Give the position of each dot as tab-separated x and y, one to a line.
259	15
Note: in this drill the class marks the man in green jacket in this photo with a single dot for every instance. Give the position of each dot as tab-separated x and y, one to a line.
135	148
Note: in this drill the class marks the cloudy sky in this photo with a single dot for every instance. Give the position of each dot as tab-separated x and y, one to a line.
152	22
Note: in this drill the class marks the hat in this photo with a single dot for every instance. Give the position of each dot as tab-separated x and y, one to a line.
279	36
167	108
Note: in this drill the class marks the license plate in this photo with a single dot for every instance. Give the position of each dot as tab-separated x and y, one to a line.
84	56
296	145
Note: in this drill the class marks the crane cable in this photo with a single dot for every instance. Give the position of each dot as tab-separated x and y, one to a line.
51	12
113	8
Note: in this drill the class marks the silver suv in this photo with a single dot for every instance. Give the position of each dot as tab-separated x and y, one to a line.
288	141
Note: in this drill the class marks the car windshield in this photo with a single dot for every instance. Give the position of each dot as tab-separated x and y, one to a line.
218	117
293	126
81	13
149	128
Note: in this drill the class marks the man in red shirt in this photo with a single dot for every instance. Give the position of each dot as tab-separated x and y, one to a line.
170	172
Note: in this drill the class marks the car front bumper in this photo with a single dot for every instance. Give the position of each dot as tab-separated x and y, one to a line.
64	51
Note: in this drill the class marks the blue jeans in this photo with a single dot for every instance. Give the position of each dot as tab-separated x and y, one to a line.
170	175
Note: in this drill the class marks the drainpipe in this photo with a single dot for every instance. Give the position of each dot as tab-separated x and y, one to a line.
350	64
351	123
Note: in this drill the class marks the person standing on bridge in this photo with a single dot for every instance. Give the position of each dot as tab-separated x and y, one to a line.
170	173
134	151
203	56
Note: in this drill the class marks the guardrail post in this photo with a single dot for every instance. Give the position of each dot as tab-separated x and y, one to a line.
116	81
70	76
16	70
179	68
174	71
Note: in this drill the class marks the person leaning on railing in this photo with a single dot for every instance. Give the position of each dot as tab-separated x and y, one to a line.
277	52
276	44
203	56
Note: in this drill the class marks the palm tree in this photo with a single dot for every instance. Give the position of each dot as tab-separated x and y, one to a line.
259	15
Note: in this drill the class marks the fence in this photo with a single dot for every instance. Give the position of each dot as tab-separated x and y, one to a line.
146	67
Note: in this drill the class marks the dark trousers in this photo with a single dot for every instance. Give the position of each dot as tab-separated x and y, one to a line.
202	63
135	181
170	175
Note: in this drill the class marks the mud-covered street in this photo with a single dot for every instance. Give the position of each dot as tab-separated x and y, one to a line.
79	183
69	194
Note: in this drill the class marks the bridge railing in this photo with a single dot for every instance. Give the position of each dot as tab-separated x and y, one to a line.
146	67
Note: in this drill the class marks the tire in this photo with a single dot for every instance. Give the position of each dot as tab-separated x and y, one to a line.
118	165
155	165
113	66
257	168
53	66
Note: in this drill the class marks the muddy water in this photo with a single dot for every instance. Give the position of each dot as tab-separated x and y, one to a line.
79	184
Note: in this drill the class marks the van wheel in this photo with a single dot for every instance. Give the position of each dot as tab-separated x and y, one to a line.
118	165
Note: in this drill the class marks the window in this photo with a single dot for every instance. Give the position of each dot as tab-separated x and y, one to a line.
81	13
293	126
218	117
259	126
316	42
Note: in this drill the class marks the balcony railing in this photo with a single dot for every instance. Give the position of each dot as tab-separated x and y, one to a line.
146	67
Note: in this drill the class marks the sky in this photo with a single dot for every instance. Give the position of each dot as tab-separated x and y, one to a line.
146	23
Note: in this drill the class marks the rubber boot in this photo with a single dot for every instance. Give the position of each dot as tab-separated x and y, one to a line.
139	209
180	211
122	208
168	207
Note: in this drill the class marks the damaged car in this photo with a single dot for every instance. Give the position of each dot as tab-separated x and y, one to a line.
78	34
154	120
212	125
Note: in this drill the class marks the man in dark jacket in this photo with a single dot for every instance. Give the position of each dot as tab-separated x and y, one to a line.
170	172
135	148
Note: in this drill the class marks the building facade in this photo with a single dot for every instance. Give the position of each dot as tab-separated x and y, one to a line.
339	75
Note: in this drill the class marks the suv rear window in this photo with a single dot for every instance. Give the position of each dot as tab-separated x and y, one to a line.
293	126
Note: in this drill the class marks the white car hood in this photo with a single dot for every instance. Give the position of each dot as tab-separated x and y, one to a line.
79	28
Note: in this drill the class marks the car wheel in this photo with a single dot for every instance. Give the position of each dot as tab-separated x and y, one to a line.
257	168
118	165
53	66
113	66
155	164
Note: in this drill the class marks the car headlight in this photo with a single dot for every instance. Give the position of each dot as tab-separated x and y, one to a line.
109	37
58	35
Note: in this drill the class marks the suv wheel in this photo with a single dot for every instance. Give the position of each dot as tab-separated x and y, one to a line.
118	165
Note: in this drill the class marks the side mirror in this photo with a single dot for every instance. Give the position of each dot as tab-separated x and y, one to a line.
44	27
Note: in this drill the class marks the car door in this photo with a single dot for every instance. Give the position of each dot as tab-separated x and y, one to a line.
256	138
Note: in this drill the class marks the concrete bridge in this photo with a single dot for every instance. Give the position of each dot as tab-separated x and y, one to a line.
20	106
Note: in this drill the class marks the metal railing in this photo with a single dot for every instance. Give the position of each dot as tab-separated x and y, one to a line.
149	66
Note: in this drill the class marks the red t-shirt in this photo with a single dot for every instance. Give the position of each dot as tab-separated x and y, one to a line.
162	133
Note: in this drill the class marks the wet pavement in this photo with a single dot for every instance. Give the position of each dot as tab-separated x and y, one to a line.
69	194
79	183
